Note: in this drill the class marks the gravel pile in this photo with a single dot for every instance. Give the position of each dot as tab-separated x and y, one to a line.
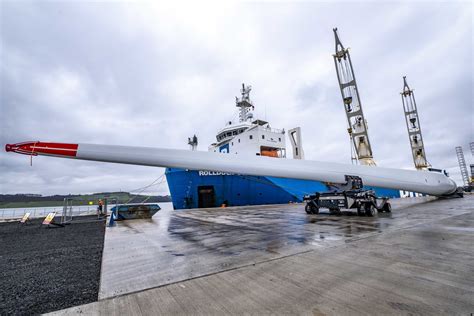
46	269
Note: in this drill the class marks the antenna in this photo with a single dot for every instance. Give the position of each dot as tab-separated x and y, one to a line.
352	105
193	142
414	127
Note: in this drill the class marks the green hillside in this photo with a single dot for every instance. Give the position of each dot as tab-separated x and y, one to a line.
32	200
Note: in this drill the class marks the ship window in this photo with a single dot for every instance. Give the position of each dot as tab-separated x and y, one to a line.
279	139
251	136
239	140
263	136
232	143
272	152
229	134
234	133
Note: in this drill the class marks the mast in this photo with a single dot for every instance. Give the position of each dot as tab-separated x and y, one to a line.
193	142
414	127
244	104
350	96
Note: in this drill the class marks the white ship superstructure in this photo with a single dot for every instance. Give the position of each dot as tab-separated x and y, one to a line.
248	135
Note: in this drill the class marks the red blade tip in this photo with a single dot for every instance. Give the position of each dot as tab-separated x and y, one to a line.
43	148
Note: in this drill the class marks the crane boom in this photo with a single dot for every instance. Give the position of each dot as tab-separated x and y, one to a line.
433	183
462	166
414	127
350	96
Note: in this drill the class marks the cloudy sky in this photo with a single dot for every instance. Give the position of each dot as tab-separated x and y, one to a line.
149	74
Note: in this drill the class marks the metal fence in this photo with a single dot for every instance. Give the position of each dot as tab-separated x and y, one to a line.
13	213
17	213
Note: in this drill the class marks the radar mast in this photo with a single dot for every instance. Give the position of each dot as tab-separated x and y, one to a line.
244	104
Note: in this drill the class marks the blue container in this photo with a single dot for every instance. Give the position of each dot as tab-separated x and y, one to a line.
134	211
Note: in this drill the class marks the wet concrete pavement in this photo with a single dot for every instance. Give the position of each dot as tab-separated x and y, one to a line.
278	259
178	245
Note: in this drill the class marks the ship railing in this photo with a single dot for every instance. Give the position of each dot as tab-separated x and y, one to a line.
275	130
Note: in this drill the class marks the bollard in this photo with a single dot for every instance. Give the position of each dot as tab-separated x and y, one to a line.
112	218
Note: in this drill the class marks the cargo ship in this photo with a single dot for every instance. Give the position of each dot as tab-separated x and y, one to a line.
247	136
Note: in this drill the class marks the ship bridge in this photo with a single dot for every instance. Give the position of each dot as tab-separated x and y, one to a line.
249	136
231	130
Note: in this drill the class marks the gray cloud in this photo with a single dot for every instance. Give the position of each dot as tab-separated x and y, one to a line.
152	75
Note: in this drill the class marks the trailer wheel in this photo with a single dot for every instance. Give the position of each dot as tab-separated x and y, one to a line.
387	207
360	210
370	210
310	208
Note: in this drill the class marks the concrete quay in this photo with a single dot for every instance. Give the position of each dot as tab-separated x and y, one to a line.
278	260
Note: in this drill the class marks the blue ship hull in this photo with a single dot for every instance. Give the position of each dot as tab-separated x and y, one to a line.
196	189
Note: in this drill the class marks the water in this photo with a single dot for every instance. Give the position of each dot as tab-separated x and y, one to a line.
11	213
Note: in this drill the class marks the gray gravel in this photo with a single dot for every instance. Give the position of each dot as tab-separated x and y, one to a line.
47	269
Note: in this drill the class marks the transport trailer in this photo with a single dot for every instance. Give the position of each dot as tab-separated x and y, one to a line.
350	196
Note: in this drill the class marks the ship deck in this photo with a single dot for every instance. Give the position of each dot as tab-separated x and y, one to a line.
277	259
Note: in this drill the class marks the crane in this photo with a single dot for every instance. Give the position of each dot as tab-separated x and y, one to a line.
414	127
471	144
350	96
463	167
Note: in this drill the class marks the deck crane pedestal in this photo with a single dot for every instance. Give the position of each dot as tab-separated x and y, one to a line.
350	95
414	127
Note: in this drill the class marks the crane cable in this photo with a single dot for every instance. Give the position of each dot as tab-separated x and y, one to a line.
161	178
